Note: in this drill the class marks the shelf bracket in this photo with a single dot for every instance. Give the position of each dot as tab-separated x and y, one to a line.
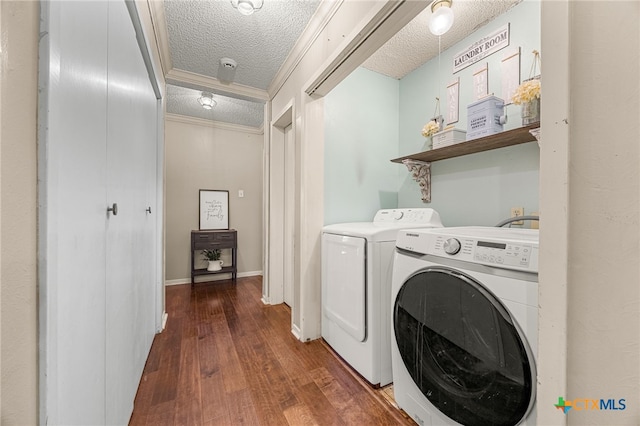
421	173
536	134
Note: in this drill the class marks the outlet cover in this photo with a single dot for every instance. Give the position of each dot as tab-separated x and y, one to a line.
517	212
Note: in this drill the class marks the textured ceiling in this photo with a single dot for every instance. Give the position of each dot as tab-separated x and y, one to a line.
414	44
184	101
201	32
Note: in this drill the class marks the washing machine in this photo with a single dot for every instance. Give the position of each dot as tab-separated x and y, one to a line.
356	287
465	325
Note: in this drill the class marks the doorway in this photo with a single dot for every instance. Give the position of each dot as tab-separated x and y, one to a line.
283	184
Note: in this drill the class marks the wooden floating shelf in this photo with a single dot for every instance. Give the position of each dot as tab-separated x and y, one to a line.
487	143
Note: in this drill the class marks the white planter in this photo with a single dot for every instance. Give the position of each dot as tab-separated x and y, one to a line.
214	265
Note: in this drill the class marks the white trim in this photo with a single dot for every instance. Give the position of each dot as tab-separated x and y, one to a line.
208	278
266	202
159	22
373	31
200	82
296	331
556	30
275	229
165	318
317	24
215	124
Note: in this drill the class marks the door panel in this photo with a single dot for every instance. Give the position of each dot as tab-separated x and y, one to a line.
73	209
130	295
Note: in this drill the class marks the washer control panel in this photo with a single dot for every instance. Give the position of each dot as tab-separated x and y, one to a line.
496	253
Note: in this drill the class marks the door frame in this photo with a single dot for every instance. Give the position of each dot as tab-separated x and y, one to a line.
280	208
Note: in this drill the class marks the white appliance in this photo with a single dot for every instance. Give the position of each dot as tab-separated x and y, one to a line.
465	325
356	287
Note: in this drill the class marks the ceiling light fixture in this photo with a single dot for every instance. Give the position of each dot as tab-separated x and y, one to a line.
206	100
247	7
441	19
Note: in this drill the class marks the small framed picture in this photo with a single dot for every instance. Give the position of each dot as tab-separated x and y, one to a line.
214	209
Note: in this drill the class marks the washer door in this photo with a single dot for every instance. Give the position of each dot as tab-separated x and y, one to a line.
462	349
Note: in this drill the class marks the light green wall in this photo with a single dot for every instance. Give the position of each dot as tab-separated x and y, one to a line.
477	189
370	119
361	136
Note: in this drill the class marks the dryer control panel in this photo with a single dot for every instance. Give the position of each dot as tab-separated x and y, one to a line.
408	216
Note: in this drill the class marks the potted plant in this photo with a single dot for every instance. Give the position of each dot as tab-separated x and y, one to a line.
213	256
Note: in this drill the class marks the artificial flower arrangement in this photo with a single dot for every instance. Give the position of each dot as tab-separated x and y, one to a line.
527	91
430	129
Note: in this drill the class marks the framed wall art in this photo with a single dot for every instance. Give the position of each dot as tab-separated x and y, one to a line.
214	209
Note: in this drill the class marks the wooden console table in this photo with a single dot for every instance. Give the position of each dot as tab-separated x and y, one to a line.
219	239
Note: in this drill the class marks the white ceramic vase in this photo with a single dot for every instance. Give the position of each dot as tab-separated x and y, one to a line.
214	265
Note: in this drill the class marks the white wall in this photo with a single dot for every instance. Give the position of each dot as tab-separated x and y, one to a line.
477	189
18	207
361	119
203	155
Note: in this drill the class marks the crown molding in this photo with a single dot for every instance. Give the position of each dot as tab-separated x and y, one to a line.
322	16
214	124
203	82
159	22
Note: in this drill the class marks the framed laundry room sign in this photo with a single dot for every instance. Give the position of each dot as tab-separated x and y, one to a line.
482	48
214	209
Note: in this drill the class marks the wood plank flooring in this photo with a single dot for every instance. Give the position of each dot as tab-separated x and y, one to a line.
227	359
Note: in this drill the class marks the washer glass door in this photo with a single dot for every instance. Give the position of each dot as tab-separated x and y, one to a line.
463	349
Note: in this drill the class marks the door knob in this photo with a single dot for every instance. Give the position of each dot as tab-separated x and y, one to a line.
148	209
113	209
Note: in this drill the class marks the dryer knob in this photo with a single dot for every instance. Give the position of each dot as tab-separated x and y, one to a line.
452	246
398	215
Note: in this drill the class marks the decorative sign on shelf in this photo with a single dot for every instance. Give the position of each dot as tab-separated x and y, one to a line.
214	209
481	82
510	75
453	101
482	48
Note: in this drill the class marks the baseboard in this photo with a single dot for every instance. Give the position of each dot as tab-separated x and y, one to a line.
295	330
165	317
208	278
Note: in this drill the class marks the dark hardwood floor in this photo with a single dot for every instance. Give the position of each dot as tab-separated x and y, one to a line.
225	358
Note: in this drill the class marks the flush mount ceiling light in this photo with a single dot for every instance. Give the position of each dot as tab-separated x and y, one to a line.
247	7
442	17
206	100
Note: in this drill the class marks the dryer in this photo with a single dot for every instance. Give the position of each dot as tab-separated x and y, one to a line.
356	287
465	325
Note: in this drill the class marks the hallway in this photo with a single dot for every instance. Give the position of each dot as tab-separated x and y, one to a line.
225	358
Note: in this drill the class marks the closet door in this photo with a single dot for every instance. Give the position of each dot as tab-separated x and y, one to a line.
72	211
130	253
98	124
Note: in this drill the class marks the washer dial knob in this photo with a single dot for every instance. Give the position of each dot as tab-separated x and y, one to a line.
398	215
452	246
